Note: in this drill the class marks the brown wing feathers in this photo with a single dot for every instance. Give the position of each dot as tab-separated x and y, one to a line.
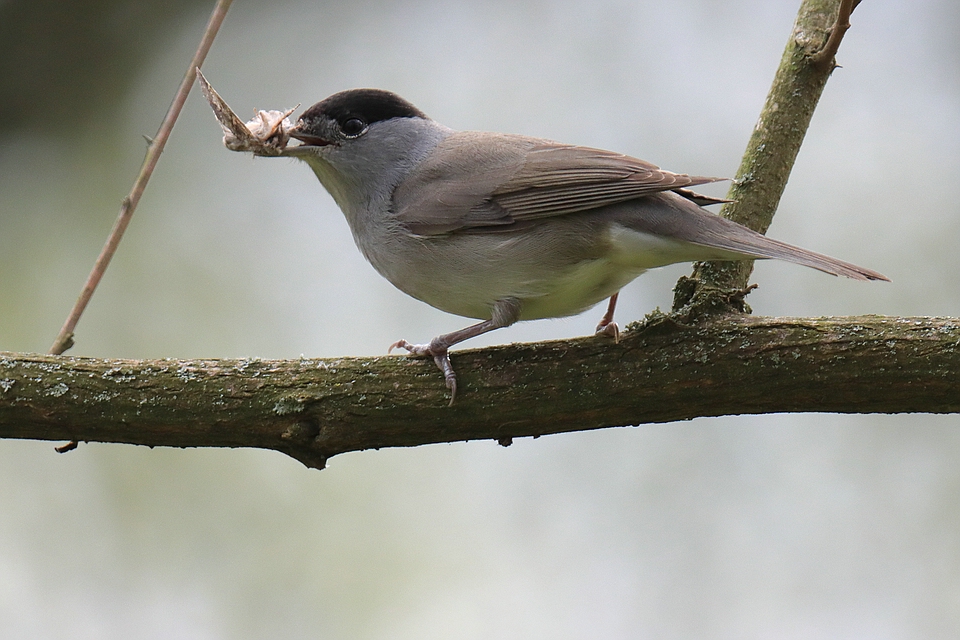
506	179
559	179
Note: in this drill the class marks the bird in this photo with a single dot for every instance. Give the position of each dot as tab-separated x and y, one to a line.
502	227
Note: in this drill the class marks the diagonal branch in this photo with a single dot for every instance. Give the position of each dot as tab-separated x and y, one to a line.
776	139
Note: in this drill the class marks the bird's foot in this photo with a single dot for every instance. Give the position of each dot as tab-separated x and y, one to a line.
438	351
607	326
610	329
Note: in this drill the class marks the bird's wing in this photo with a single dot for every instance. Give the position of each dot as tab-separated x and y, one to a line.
501	179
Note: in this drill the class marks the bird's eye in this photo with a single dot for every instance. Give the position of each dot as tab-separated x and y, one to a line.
353	127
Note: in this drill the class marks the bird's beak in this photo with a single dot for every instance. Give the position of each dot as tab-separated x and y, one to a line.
308	139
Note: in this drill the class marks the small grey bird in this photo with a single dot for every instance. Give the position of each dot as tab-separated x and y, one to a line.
502	227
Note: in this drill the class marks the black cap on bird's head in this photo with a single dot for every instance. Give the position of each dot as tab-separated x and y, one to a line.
348	114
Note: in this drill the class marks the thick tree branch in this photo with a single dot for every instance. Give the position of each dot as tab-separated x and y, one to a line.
660	371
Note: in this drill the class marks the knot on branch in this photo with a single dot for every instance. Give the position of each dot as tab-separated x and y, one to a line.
301	441
694	299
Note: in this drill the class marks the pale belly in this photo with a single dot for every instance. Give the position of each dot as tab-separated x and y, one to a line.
552	276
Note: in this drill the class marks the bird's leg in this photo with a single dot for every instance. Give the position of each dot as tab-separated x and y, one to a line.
607	326
505	313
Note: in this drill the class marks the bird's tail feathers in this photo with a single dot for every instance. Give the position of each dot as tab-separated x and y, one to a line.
739	239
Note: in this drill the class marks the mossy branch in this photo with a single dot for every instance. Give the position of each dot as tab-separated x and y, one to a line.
660	371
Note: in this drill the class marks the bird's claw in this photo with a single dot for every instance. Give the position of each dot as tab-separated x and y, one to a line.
610	329
440	356
415	349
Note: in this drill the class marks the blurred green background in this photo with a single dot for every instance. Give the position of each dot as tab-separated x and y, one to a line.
813	526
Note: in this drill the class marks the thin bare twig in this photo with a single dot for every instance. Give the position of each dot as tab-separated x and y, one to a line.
65	338
824	59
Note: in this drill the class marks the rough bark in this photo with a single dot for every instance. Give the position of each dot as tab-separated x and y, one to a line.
660	371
